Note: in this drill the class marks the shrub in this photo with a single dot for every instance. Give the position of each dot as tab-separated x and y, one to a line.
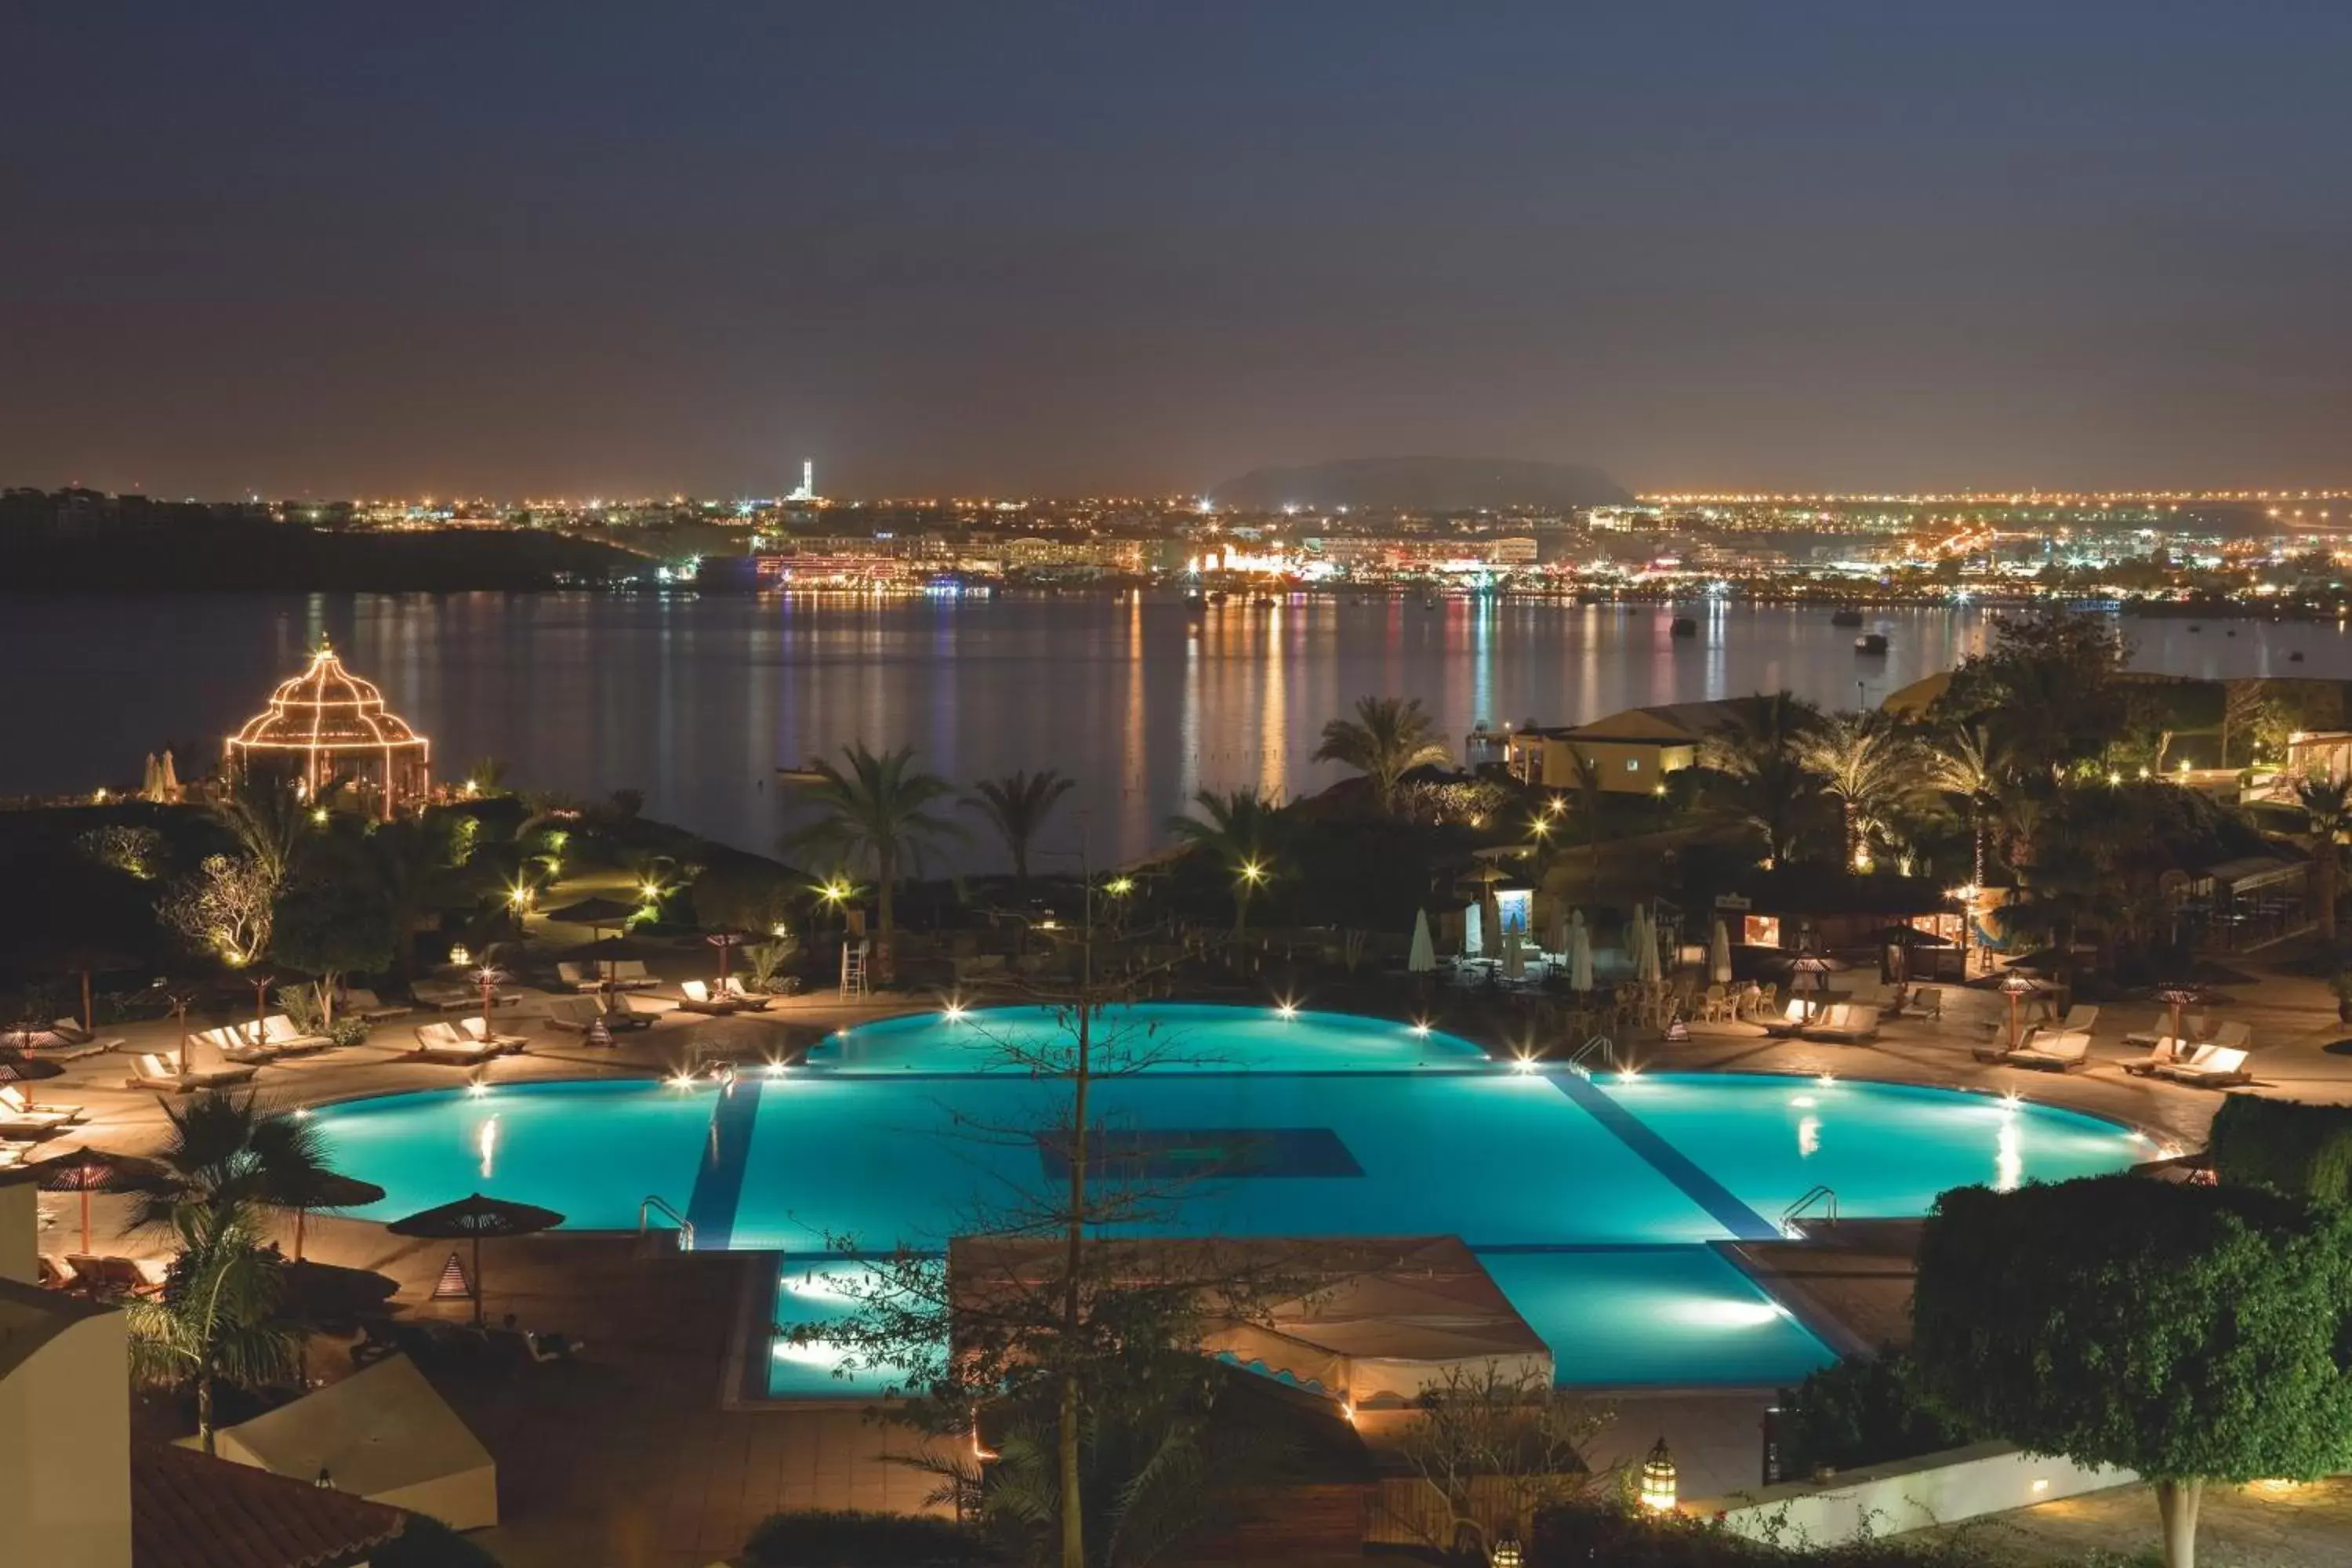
1627	1537
351	1029
851	1539
1859	1412
2296	1148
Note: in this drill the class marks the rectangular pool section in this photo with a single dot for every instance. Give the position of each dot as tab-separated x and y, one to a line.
1592	1202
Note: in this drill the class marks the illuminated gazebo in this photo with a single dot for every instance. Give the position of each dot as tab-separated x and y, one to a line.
326	727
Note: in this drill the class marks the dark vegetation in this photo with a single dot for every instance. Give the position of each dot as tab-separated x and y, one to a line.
235	552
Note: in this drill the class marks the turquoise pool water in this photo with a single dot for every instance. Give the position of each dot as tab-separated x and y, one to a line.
1592	1202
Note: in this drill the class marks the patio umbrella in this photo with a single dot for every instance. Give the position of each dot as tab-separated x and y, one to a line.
330	1189
472	1218
2176	995
723	941
1645	948
1421	957
1557	933
1515	956
1473	932
330	1293
605	953
171	776
1809	977
1579	953
86	962
594	912
87	1170
15	1068
1719	955
151	787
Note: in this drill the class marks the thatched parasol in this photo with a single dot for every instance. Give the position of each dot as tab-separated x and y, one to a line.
87	1170
472	1218
328	1190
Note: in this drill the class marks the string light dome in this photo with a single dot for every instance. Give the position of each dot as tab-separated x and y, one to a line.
328	726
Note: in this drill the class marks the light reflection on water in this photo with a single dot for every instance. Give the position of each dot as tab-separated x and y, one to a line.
696	702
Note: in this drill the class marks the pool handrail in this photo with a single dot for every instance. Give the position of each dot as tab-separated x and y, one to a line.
1822	1196
656	1204
1601	1044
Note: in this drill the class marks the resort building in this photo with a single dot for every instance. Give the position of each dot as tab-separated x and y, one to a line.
326	728
1631	752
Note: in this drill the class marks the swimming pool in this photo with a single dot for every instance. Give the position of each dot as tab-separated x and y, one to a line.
1591	1200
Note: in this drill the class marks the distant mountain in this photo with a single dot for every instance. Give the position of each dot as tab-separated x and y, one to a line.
1422	484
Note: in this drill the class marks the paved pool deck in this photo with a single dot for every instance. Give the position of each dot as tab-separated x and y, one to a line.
631	1460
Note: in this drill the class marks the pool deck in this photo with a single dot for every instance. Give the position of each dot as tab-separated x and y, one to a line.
630	1460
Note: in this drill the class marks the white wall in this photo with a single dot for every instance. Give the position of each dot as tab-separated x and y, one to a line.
65	1437
1887	1500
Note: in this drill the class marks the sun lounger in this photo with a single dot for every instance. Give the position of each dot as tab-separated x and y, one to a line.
2214	1069
478	1029
749	1001
1789	1023
2165	1052
11	1154
694	996
371	1007
448	996
2161	1028
234	1042
2058	1050
22	1121
117	1276
286	1037
628	1013
13	1099
153	1070
1845	1024
2079	1018
2234	1035
56	1274
578	977
442	1041
572	1014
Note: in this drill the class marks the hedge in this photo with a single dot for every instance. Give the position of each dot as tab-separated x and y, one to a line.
847	1537
2305	1149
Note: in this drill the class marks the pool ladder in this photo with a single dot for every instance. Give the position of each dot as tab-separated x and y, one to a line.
1600	1046
1821	1198
657	1204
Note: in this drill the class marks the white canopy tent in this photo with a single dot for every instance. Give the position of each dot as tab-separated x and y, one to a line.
382	1434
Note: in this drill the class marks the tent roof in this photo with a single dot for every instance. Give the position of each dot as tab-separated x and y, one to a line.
380	1430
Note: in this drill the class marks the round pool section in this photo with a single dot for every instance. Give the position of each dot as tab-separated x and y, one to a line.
1593	1202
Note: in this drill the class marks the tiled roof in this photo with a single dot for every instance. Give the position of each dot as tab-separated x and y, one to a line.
190	1512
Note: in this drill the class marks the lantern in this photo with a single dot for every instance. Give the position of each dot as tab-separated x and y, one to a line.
1507	1553
1658	1485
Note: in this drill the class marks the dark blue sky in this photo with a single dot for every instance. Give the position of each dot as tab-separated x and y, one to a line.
637	248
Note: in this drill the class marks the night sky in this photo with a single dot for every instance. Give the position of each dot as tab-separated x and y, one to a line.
629	249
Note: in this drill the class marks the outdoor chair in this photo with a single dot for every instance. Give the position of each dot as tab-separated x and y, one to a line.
749	1001
2161	1028
2217	1068
442	1041
1847	1024
234	1042
2060	1050
630	974
580	976
477	1030
2164	1052
444	995
116	1276
84	1042
573	1014
153	1070
694	996
19	1123
286	1037
2234	1035
1927	1002
624	1012
1792	1020
1715	1006
371	1007
2079	1018
13	1099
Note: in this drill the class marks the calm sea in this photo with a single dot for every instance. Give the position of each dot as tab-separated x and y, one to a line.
697	701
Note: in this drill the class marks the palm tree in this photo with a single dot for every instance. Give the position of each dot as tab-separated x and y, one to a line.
1237	829
267	821
1017	806
1757	753
228	1158
1387	739
1970	766
413	860
876	814
216	1319
1866	767
2328	806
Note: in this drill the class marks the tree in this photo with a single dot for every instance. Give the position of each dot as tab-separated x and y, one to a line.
229	1157
876	814
215	1321
1080	1351
1969	764
1524	1439
1758	755
2048	684
1017	805
328	927
1237	829
1867	768
413	862
1387	739
2190	1333
2328	821
267	821
225	909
